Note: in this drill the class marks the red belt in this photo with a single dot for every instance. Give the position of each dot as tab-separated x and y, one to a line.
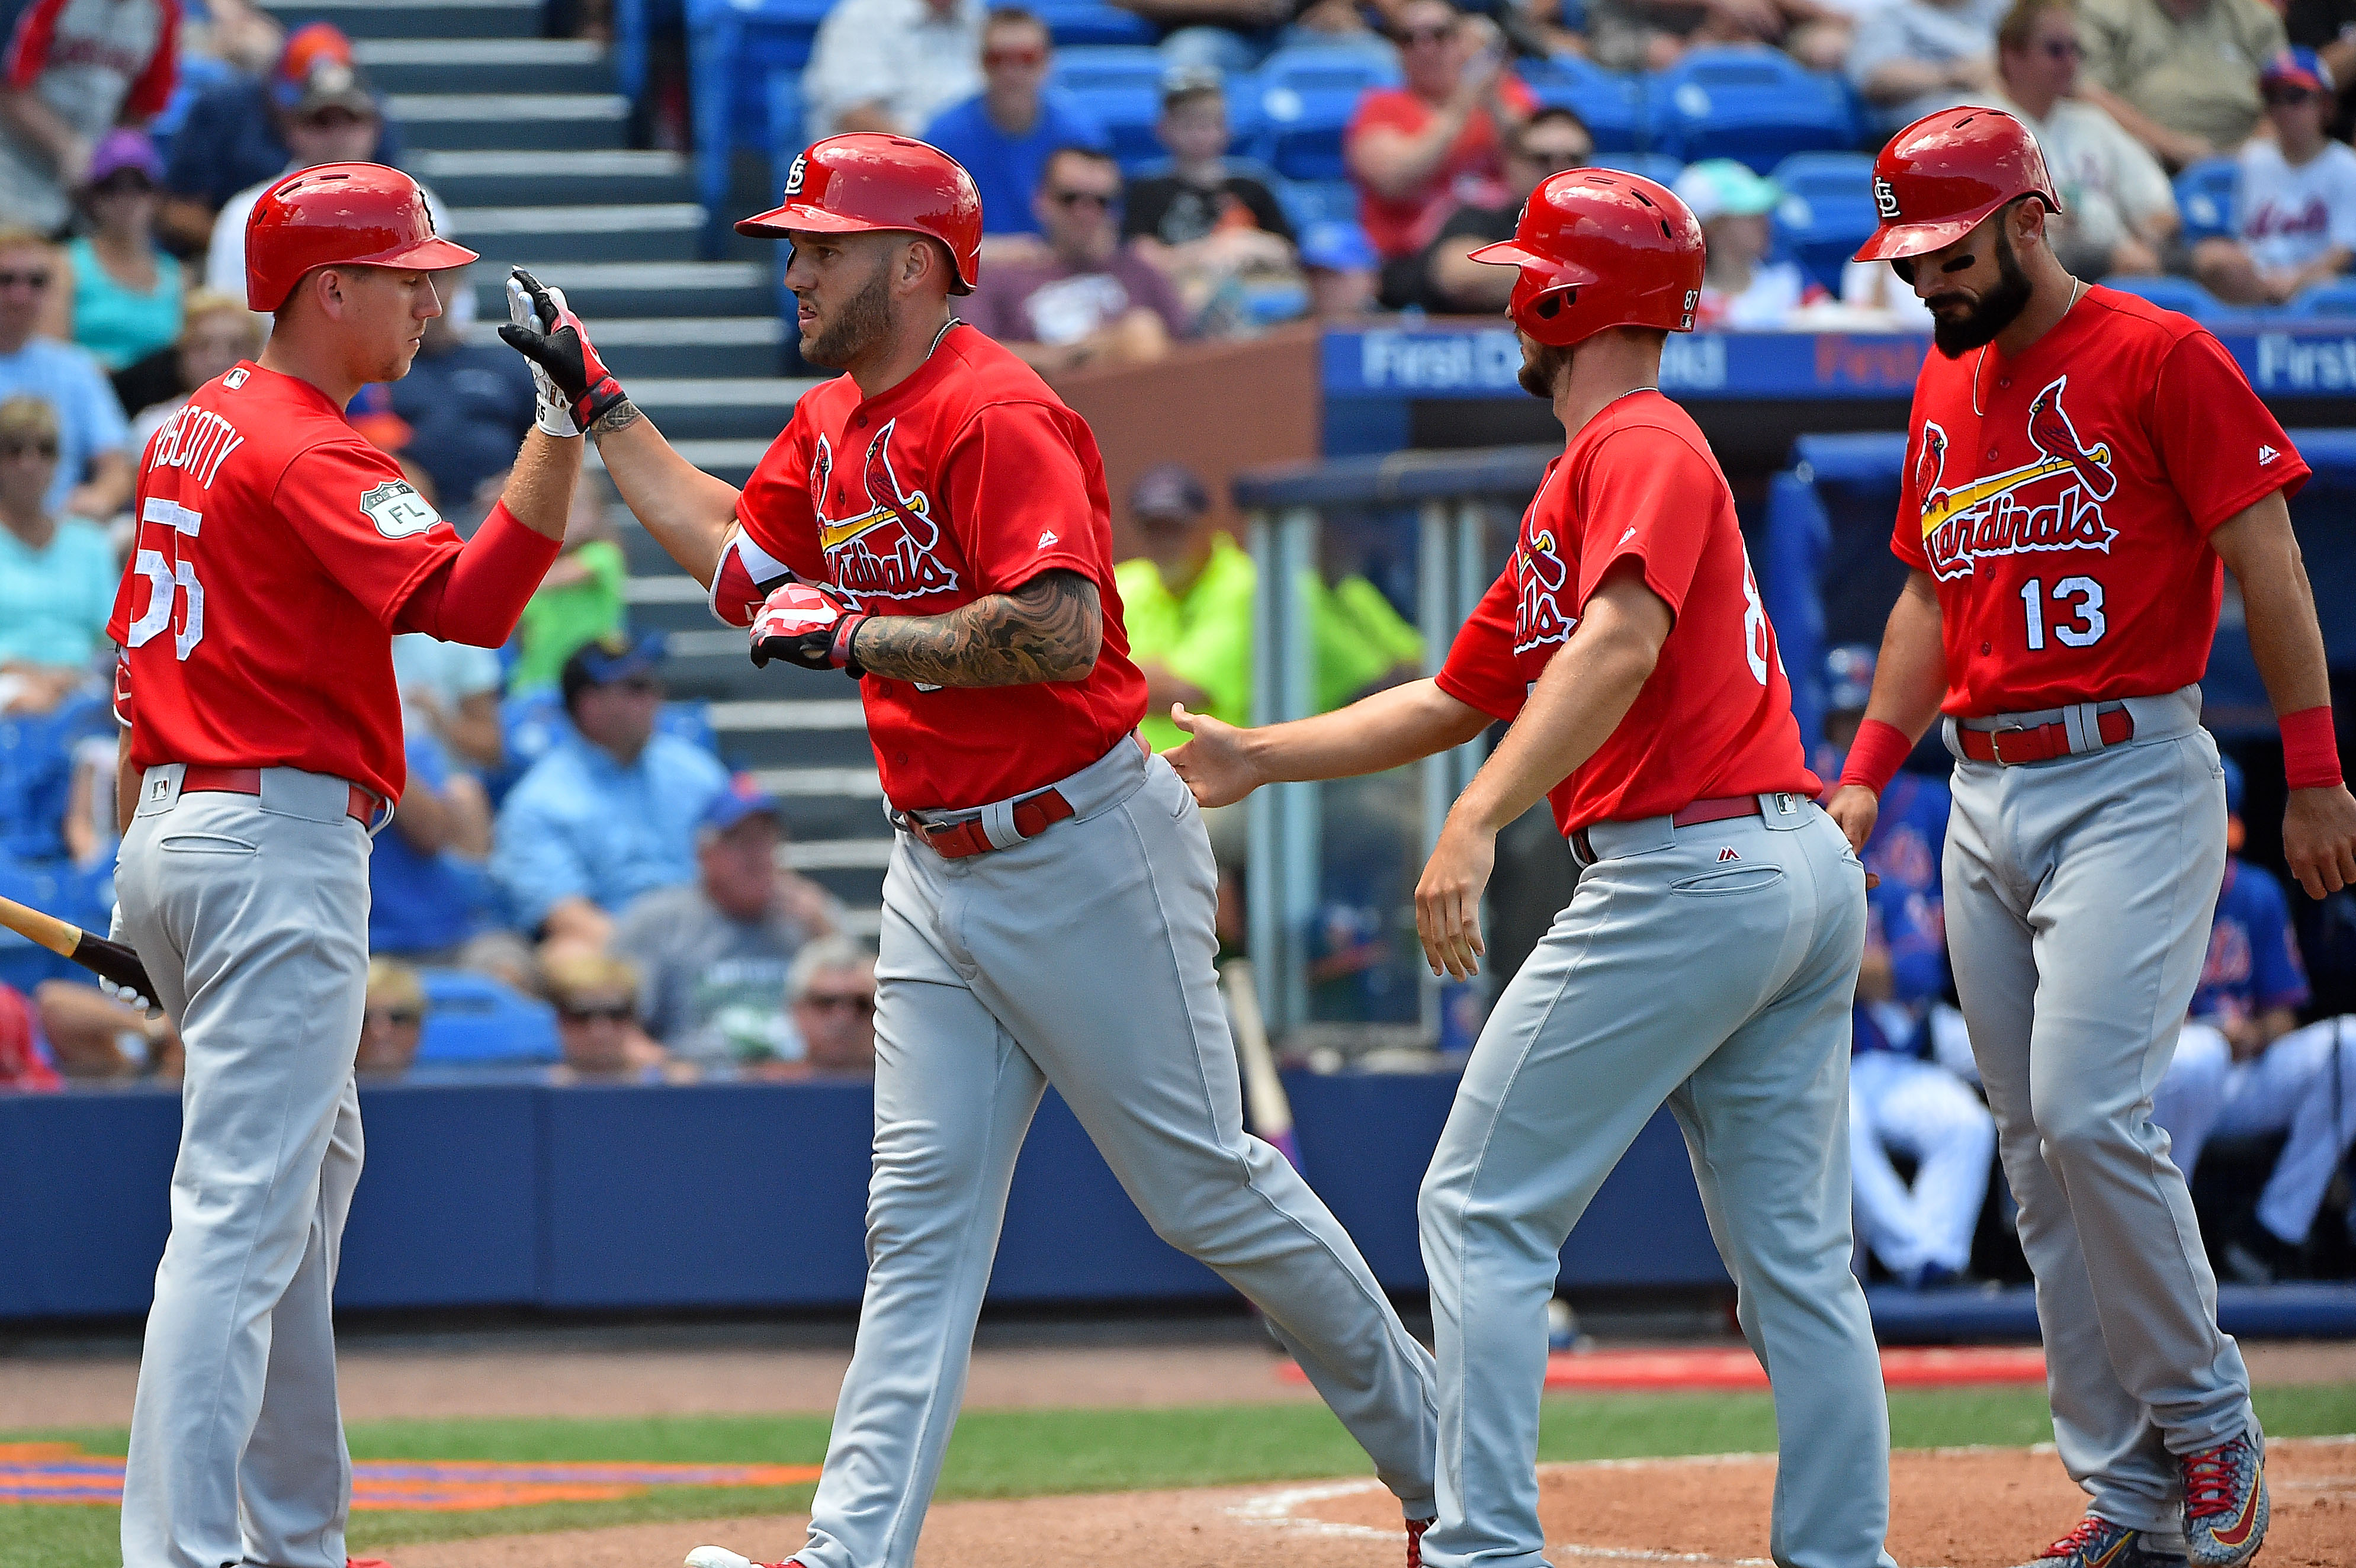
361	807
1034	815
1693	814
2040	744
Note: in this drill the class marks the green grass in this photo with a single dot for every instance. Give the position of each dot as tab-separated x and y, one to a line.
999	1453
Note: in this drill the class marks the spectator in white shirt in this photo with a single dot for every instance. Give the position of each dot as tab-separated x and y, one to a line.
2295	209
1740	289
891	65
2119	212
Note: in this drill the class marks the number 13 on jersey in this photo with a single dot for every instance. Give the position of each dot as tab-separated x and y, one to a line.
2082	596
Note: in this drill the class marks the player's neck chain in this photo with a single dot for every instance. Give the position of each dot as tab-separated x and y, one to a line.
2077	287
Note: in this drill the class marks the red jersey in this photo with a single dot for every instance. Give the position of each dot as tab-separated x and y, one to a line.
2063	506
968	478
1403	226
276	550
1715	718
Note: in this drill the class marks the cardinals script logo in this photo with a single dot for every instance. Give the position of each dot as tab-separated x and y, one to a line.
1540	572
2001	514
880	543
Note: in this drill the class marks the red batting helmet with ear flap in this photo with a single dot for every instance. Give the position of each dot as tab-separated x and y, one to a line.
1940	177
339	215
1599	247
864	181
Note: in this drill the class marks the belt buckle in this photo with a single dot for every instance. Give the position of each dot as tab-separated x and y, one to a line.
1995	744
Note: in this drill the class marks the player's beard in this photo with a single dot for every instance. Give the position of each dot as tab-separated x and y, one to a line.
1998	308
861	321
1542	365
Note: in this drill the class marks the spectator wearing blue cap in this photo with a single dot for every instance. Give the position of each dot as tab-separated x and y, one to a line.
712	956
610	812
2295	202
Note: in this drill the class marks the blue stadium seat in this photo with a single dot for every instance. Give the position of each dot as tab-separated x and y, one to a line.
473	1020
1658	167
1311	202
733	49
2334	297
1307	97
1120	84
1093	22
2181	294
2204	194
1751	103
1611	103
37	772
1826	211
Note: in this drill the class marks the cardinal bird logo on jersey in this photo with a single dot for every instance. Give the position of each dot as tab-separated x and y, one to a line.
1540	572
880	543
2009	513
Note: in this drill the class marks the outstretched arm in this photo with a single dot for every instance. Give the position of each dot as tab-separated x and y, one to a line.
1224	763
1048	629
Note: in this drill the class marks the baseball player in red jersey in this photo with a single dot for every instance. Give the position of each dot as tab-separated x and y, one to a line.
278	553
1707	960
2079	463
935	520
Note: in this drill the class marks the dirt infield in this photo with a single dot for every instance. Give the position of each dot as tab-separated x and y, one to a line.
1965	1509
396	1384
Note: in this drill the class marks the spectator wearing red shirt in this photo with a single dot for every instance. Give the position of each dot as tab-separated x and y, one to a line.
73	69
1419	150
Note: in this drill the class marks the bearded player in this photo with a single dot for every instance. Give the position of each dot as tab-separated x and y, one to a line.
2080	465
1707	960
278	554
935	522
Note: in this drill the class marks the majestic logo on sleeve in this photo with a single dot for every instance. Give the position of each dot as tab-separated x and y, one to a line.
880	543
2052	504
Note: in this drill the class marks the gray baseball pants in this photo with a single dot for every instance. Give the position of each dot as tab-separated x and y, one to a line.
2079	897
251	915
1081	957
1710	968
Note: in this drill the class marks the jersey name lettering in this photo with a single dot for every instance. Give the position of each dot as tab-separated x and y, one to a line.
198	440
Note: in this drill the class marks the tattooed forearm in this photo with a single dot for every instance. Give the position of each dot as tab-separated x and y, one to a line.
621	416
1048	629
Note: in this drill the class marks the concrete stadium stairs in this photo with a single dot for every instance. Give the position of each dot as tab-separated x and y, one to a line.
526	141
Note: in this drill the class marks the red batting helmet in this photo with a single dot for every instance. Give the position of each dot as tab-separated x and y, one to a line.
339	214
864	181
1599	247
1941	177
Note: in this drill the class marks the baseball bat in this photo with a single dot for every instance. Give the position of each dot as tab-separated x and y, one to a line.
1264	1097
108	960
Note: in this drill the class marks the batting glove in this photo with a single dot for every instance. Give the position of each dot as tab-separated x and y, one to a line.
552	410
809	625
558	344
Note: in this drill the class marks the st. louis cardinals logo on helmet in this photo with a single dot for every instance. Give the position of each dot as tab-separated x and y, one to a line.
1885	199
880	544
1989	516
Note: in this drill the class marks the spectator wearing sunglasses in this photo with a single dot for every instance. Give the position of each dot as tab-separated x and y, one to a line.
1419	150
610	812
596	1000
2295	202
120	296
1091	300
90	476
1005	134
393	1021
57	575
831	994
2181	76
2119	212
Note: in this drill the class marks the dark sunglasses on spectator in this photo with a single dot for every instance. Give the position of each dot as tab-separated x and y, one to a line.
1032	55
2286	97
37	279
1070	198
400	1016
124	182
612	1012
1409	36
47	451
638	686
2062	49
1558	158
859	1002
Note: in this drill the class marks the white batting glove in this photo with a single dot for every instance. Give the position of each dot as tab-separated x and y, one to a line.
551	412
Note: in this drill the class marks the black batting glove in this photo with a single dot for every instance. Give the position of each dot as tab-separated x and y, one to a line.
560	345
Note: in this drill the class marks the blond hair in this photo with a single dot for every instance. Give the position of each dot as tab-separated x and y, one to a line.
25	414
571	974
204	304
393	984
17	236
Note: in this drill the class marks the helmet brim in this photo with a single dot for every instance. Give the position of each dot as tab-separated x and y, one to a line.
435	255
1895	241
1560	273
782	222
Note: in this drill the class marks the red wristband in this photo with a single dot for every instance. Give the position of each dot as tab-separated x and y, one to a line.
1876	755
2310	748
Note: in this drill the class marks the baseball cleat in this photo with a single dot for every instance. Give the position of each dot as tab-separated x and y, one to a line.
720	1557
1414	1528
2099	1543
2226	1503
